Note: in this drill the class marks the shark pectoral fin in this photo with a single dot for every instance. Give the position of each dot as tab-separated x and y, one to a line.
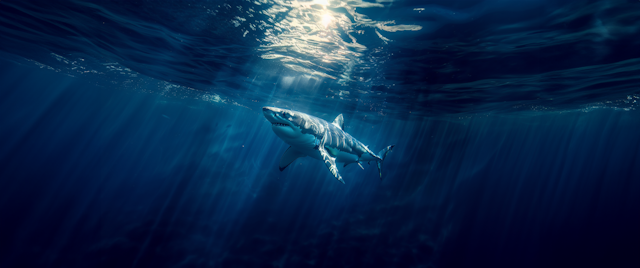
330	162
288	157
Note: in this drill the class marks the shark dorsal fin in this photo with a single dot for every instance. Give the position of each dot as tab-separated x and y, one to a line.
339	122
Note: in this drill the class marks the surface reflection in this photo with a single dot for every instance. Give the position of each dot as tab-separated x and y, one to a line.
320	37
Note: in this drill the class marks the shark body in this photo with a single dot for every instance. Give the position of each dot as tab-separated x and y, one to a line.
311	136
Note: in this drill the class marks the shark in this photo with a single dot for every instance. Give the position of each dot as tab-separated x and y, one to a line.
311	136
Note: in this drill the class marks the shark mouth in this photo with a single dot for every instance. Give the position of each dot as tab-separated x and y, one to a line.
279	125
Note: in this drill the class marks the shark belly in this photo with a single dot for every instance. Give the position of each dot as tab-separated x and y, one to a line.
295	138
307	144
344	157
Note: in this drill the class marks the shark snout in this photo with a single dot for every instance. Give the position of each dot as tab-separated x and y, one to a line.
267	109
269	113
277	116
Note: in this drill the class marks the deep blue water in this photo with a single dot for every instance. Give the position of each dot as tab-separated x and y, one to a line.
132	134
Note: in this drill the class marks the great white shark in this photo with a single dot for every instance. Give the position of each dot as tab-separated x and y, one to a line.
311	136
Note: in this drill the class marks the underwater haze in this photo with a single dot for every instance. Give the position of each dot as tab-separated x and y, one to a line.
133	133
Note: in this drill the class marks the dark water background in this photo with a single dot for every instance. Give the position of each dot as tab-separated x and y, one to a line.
132	135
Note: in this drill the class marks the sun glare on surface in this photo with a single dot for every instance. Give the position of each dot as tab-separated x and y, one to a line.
326	19
320	37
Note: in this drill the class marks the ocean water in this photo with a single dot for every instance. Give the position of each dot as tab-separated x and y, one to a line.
132	133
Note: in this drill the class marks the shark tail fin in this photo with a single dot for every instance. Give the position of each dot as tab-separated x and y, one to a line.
383	154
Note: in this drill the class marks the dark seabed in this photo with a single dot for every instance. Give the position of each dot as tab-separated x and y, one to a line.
133	136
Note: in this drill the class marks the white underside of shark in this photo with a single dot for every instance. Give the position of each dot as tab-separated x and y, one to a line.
314	137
